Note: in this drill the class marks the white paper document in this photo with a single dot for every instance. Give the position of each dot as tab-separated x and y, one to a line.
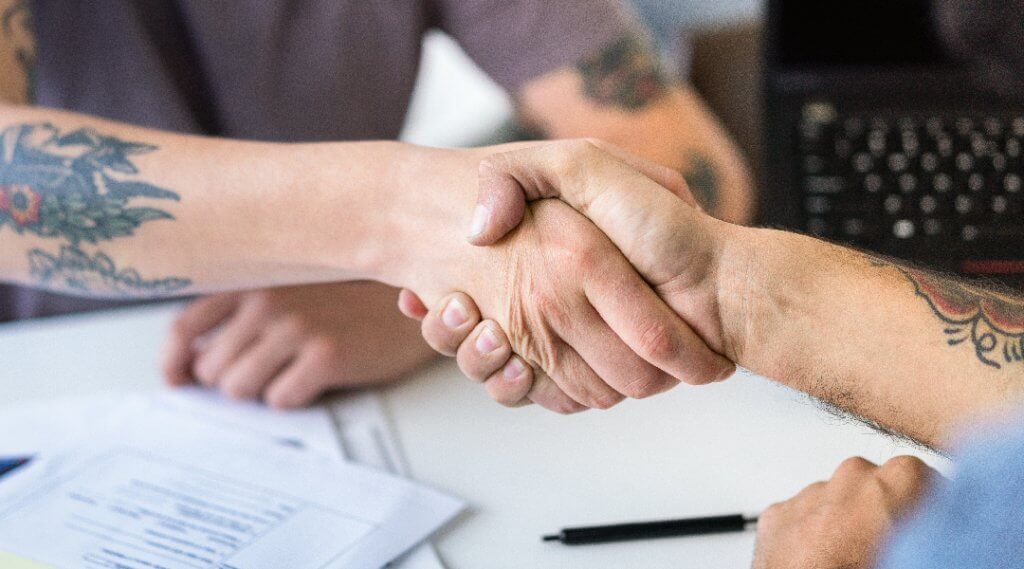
169	485
367	438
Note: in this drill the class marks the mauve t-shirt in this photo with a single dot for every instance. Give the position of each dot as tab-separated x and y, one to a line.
297	70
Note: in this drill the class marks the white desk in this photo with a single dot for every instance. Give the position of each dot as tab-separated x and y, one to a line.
736	446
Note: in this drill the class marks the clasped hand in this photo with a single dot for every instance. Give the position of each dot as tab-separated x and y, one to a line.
624	302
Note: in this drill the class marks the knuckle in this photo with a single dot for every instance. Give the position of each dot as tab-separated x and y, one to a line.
905	464
854	466
260	300
324	349
604	401
657	343
291	325
651	383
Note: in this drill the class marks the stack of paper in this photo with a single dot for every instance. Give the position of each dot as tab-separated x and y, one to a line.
178	482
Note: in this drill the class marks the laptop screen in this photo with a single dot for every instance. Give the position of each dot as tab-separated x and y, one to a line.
856	33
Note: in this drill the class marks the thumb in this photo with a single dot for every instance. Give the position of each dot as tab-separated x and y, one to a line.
501	202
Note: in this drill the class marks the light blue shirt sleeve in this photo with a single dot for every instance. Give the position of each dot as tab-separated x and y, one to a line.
974	521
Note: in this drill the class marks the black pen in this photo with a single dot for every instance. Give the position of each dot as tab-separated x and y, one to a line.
651	530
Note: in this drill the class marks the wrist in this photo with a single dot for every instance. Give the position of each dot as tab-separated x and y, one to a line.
751	295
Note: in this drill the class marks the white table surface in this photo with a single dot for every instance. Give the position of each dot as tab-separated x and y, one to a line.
731	447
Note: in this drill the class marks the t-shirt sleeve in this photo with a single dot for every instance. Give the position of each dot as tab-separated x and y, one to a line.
976	520
518	40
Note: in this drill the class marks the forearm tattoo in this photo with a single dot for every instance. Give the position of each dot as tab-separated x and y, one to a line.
702	179
79	189
990	322
16	27
626	75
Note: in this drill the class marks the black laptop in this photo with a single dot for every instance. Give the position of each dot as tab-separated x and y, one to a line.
878	136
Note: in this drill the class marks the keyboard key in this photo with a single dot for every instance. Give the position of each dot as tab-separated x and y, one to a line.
893	205
963	204
862	162
976	182
932	227
898	162
964	162
1012	183
819	227
999	204
928	205
903	229
929	162
907	183
942	183
1018	127
873	183
969	233
818	205
854	228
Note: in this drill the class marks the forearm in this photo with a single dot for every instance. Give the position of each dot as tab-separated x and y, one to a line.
917	353
623	96
94	207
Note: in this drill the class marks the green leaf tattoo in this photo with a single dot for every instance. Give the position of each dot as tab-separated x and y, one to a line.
626	74
78	187
74	270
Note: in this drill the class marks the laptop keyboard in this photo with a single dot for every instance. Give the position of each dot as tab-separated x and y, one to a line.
919	180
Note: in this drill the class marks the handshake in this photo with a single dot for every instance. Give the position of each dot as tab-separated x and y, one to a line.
627	296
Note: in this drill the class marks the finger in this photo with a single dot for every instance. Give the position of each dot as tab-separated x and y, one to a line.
669	178
511	384
448	326
226	345
575	171
906	476
612	360
577	379
652	330
546	393
853	469
198	318
299	383
484	352
248	376
411	306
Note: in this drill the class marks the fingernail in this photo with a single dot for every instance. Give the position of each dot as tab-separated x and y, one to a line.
513	369
454	314
480	215
486	342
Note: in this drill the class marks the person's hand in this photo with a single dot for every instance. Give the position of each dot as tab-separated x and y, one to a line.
585	326
840	524
644	208
289	345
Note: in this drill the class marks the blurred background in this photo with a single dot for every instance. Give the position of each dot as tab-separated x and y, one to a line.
457	104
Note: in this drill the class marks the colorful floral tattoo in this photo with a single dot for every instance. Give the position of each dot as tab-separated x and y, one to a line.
78	187
991	322
626	74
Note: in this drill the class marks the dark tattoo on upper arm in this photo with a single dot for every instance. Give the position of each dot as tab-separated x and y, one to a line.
78	187
626	74
991	322
18	18
702	179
